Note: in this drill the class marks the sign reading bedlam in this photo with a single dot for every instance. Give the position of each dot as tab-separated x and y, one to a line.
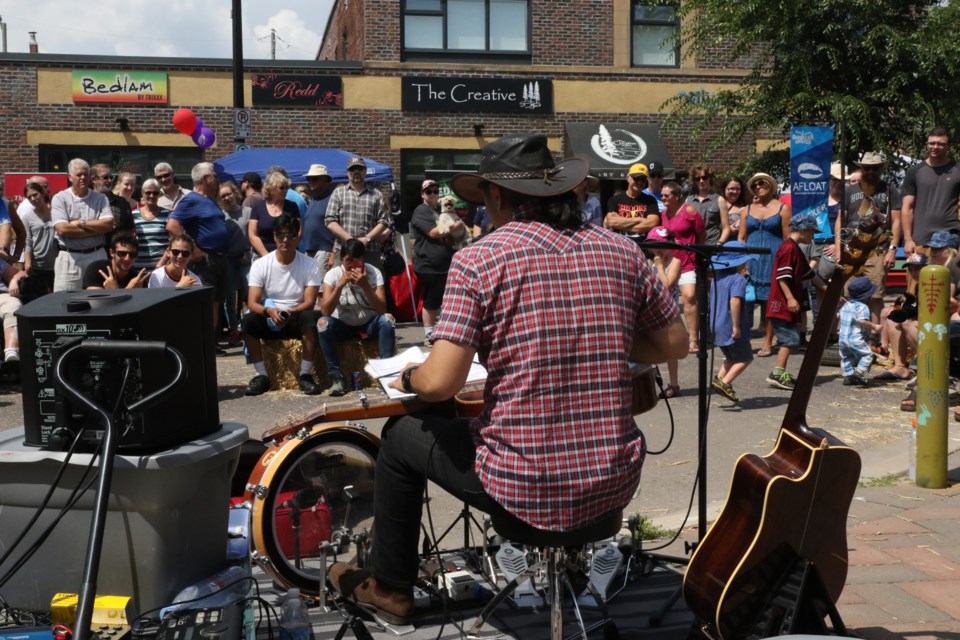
126	87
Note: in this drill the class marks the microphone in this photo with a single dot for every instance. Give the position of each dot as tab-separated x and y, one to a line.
302	499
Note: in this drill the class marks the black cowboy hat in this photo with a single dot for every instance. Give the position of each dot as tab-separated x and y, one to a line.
521	162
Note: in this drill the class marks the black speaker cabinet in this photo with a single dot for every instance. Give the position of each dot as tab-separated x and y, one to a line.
181	318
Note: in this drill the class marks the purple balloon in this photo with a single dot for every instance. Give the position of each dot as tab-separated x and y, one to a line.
206	138
197	129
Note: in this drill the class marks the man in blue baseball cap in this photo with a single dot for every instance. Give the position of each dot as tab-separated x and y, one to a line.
790	269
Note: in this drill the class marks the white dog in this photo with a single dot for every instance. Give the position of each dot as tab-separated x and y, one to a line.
448	218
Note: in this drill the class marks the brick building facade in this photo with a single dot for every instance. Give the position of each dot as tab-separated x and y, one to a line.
580	53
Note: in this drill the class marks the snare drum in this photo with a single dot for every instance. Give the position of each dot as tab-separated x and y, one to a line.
307	489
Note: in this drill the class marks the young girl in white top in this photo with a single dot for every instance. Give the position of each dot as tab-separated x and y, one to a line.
174	273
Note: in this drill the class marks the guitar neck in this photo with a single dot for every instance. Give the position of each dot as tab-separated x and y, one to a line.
795	419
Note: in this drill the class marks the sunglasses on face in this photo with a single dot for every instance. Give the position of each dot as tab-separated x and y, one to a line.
285	235
151	194
105	178
180	253
432	192
164	176
701	178
120	253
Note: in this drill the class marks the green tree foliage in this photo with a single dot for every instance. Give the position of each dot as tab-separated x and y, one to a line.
886	69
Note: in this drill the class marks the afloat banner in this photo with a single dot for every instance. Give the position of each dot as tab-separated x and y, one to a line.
811	150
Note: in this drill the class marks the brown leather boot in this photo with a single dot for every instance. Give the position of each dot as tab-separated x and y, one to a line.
396	607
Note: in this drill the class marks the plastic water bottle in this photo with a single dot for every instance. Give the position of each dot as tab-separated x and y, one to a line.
222	588
294	621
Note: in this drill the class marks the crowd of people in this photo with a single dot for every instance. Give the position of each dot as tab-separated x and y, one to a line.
106	231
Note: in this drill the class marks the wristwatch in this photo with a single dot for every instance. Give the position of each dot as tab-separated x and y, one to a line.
405	378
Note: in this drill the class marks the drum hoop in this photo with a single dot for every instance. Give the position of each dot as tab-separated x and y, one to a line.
273	461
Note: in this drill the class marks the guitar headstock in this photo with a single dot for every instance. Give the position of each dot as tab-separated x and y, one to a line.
858	243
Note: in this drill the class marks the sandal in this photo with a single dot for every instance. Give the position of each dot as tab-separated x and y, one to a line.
694	347
672	391
764	353
956	415
910	402
890	375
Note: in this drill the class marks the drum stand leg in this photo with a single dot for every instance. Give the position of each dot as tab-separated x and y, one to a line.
467	517
325	549
355	624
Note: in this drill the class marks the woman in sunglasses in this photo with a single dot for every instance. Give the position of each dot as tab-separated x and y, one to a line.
150	223
174	274
432	252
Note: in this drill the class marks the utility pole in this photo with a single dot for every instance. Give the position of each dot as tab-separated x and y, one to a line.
237	55
3	33
273	44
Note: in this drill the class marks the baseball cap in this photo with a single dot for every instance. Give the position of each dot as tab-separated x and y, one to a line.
655	168
917	260
356	161
660	234
428	183
804	222
639	169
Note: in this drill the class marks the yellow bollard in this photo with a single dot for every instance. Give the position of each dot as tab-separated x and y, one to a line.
933	361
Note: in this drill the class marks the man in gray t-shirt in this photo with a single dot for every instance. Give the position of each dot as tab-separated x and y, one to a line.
930	192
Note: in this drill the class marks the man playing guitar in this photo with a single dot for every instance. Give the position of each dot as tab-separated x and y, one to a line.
554	308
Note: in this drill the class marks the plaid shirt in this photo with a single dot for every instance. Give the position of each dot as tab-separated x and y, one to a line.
552	314
357	213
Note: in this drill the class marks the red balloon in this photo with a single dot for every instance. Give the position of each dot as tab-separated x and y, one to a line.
185	121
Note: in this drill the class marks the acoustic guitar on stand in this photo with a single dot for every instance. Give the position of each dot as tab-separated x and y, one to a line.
790	505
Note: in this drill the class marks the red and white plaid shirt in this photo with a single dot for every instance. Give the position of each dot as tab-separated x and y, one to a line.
552	314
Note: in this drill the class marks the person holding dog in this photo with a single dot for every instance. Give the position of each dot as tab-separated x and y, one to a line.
432	252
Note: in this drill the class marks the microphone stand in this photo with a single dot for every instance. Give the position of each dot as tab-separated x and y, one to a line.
703	254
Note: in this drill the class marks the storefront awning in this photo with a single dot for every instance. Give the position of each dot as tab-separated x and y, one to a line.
612	147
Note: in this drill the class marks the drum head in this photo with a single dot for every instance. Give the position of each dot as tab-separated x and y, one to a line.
316	493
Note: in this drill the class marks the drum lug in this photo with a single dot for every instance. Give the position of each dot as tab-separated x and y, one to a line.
258	490
358	425
261	561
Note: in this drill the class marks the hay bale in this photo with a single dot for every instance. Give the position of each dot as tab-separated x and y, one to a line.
282	359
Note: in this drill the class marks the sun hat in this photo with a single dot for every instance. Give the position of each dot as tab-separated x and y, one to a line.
871	158
860	288
317	171
804	222
728	259
837	172
523	163
761	176
941	239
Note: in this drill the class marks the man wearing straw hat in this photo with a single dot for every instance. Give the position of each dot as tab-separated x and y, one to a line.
554	308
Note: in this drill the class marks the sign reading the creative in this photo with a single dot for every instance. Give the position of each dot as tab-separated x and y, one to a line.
272	90
811	149
127	87
499	95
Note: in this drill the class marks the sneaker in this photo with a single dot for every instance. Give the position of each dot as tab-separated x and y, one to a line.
258	385
307	384
234	339
782	381
724	389
860	379
395	607
337	387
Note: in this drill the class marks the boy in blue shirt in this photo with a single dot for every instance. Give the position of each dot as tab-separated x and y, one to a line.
855	327
730	322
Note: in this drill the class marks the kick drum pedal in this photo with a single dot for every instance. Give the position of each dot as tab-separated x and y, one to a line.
513	562
604	568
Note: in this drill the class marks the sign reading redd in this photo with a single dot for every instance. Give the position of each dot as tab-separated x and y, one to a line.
128	87
499	95
297	91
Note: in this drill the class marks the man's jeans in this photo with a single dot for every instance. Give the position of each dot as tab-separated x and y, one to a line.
380	328
413	449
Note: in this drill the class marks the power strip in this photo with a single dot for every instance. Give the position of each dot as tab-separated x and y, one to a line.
26	633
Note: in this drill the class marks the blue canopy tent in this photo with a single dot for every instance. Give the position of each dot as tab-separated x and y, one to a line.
297	162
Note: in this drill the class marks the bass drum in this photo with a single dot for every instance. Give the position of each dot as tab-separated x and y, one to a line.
311	488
